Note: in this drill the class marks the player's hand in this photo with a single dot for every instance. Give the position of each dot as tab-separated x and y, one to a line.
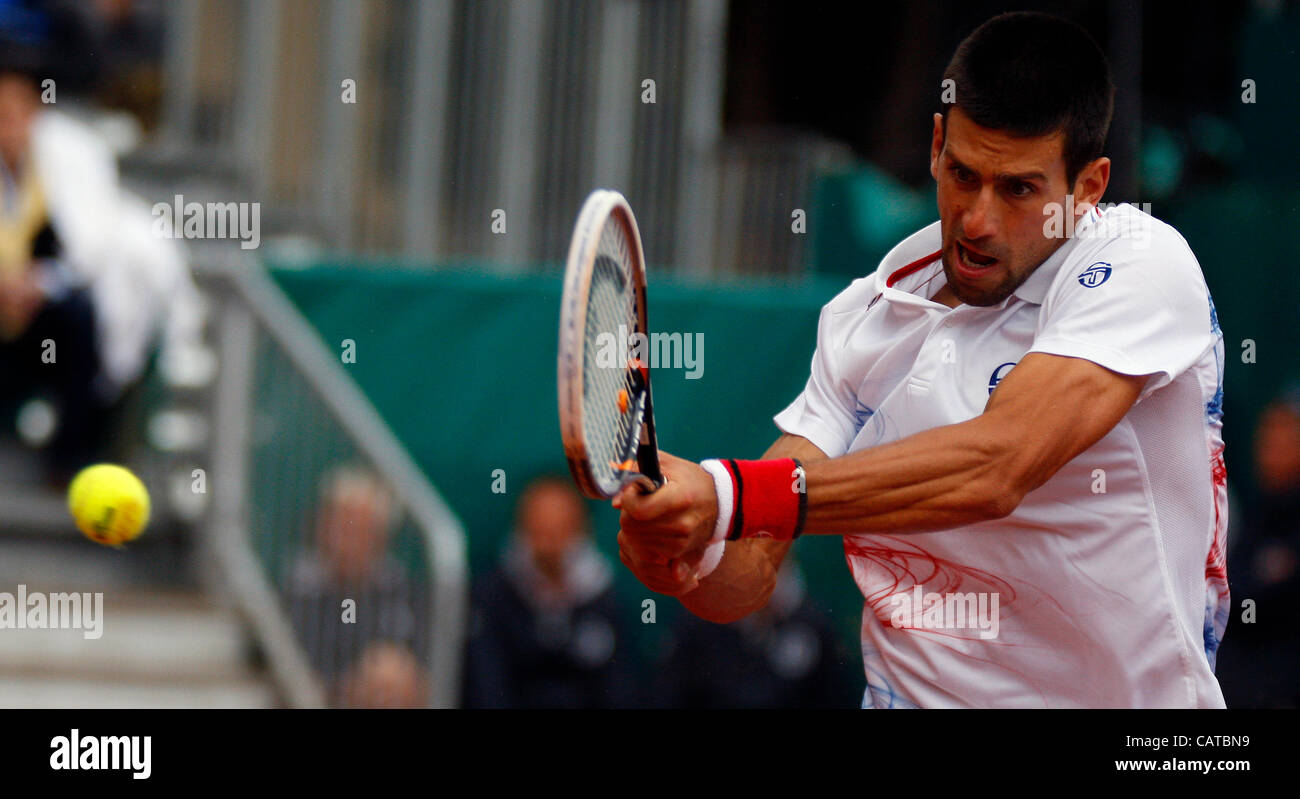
671	577
676	519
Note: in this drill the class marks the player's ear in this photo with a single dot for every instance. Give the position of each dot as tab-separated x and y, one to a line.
1091	183
936	145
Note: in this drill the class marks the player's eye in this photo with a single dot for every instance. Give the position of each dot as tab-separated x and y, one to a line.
1021	189
962	174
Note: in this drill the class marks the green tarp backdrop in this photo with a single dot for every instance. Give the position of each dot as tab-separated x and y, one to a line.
462	366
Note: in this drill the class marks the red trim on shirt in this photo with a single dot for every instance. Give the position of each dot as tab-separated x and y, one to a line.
912	267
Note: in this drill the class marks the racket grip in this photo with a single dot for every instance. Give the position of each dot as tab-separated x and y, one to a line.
647	459
645	484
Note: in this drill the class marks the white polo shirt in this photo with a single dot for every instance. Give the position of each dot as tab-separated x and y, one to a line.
1107	586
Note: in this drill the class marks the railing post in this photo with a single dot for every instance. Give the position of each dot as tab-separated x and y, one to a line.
251	593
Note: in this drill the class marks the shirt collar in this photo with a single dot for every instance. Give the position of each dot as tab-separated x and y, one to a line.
919	250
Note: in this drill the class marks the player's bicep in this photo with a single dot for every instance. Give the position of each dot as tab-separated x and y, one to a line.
1050	408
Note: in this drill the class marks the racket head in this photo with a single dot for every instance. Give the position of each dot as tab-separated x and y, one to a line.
606	417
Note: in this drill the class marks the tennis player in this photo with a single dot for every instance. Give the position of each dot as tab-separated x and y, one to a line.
1014	423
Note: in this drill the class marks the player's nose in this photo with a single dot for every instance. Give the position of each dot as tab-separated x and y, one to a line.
980	220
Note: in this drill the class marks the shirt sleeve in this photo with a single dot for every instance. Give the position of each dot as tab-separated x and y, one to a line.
1136	312
824	413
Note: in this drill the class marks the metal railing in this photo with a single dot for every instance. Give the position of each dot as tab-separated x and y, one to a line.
316	505
470	112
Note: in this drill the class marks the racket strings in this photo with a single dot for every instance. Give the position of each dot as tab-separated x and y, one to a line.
612	403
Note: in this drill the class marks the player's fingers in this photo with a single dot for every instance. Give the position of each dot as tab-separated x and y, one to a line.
658	574
684	578
669	498
667	509
640	553
673	580
652	577
693	558
669	537
623	494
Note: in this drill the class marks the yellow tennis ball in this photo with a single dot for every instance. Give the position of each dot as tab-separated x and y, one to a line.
109	504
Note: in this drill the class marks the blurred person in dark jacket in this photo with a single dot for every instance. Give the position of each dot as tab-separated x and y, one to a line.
546	630
784	656
1263	669
353	605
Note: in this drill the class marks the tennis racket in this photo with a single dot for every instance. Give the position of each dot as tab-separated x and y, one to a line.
606	416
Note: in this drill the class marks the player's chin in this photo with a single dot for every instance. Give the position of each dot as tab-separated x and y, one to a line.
975	292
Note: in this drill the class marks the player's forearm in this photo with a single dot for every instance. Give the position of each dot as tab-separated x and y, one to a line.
746	576
938	479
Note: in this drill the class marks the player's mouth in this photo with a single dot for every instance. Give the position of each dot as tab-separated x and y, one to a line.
972	263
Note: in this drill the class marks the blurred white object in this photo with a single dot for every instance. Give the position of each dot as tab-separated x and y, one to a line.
120	130
187	366
293	251
188	503
139	281
173	431
36	422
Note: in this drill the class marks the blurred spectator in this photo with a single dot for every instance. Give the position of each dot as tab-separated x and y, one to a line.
1263	657
784	656
81	269
387	676
43	300
109	49
546	629
124	42
353	605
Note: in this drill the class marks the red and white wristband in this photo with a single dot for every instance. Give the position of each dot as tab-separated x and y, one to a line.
756	499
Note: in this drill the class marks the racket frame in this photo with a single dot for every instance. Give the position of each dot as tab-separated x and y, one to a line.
600	206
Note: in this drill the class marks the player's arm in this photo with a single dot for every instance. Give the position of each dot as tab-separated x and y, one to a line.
1045	412
743	580
745	577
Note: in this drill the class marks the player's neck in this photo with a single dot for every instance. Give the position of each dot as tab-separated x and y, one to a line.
945	296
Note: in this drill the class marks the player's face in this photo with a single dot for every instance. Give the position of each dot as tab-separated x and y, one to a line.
993	189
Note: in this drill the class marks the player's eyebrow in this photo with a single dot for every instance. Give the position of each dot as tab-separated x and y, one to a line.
1003	177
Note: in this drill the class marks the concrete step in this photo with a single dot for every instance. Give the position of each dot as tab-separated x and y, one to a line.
53	691
142	649
147	636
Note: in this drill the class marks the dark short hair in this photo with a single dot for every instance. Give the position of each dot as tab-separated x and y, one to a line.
1032	74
